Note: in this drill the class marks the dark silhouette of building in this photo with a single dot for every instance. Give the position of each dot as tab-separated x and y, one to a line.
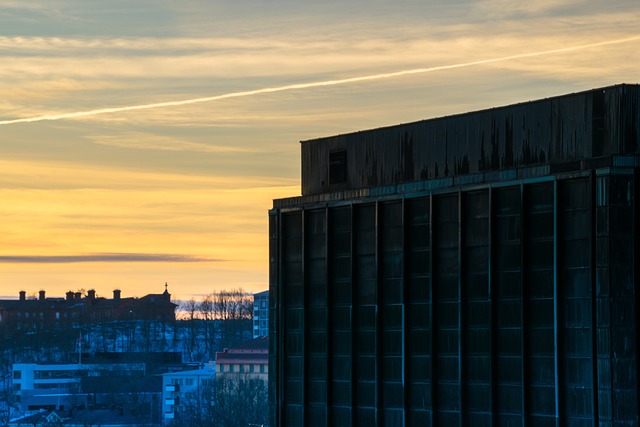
32	315
479	269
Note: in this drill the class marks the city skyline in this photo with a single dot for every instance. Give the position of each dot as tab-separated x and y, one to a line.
179	191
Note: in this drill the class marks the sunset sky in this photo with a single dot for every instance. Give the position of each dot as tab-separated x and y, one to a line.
134	198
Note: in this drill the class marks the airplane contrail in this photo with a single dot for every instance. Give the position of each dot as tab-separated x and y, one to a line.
311	84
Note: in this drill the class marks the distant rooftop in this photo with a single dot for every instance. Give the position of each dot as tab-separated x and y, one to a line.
254	351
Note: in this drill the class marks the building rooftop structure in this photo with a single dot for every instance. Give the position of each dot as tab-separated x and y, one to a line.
595	128
479	269
254	351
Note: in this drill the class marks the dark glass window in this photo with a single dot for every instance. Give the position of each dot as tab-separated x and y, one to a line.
338	167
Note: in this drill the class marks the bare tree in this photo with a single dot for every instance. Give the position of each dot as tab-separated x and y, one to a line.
241	400
8	403
207	314
234	311
219	320
197	409
234	400
190	309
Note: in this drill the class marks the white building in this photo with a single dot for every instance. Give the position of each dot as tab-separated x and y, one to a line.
261	314
58	386
178	388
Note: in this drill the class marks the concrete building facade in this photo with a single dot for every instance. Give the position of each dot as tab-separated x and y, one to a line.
480	269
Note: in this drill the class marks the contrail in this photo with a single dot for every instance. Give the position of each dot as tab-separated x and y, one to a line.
311	84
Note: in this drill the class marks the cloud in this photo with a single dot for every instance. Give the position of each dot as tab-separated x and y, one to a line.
144	141
51	45
106	257
321	83
96	179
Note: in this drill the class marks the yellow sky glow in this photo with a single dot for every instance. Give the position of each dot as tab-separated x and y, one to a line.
167	130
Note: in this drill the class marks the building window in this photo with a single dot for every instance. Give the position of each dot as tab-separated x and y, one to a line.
231	367
17	375
262	369
252	368
338	167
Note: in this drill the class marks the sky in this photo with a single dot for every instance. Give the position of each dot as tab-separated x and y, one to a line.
97	195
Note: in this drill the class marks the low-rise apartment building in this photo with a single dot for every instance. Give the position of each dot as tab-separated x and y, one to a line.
252	358
181	389
59	386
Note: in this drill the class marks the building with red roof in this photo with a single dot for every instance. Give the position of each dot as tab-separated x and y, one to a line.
251	358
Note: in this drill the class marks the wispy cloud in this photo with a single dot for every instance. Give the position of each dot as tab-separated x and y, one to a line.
53	45
316	84
108	257
145	141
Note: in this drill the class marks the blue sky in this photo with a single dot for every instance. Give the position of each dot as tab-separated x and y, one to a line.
180	194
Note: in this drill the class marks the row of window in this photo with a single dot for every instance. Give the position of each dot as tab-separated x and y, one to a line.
47	386
183	381
45	375
29	326
237	368
40	315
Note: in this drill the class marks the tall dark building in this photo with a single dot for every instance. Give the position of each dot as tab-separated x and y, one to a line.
480	269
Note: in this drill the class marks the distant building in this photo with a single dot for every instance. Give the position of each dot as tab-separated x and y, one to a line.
128	382
180	389
261	314
250	358
60	386
481	269
81	418
23	316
